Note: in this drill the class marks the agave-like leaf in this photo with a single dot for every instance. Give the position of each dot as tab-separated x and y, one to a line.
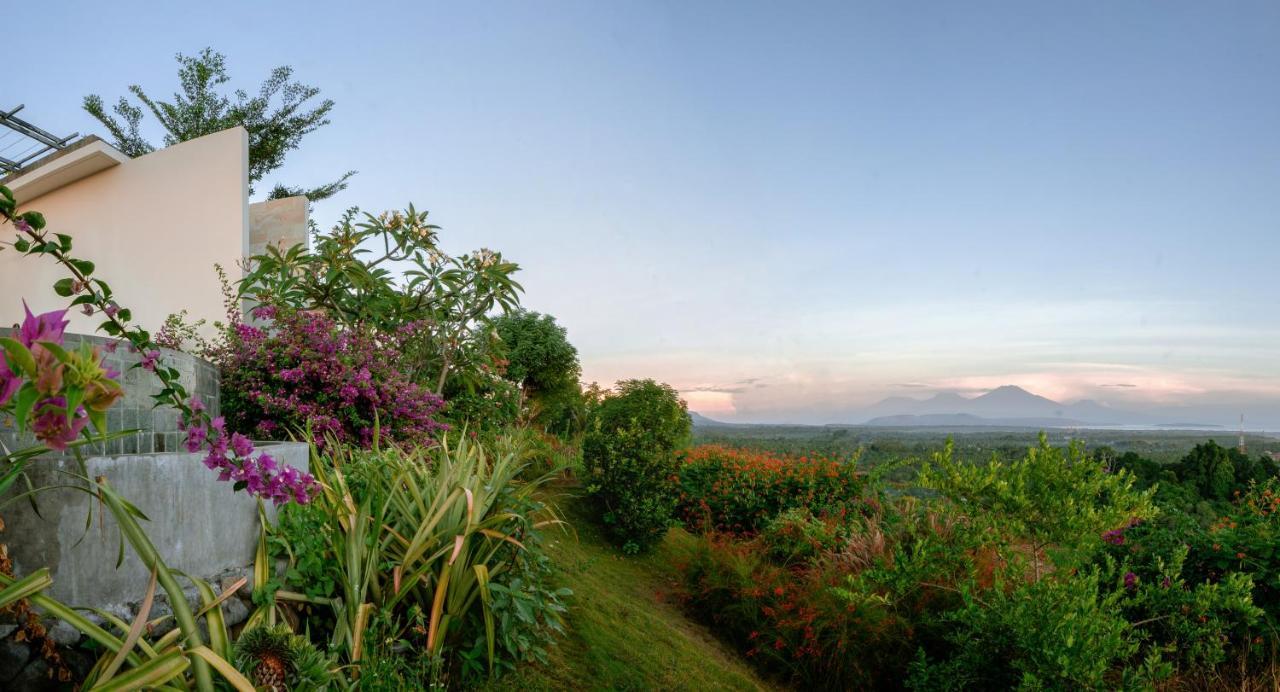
219	637
150	674
135	631
224	668
26	587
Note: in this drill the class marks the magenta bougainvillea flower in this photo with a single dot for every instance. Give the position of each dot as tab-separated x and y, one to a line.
232	456
241	445
9	382
149	360
52	427
51	422
305	370
47	326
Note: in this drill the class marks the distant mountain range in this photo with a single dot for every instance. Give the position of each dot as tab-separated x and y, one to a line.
1014	407
965	420
701	421
1003	406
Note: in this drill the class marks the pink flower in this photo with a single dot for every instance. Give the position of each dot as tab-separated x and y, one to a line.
48	326
241	445
51	426
9	382
1130	580
196	436
149	360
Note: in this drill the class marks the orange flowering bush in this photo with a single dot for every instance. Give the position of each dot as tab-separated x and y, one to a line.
857	614
1247	540
740	490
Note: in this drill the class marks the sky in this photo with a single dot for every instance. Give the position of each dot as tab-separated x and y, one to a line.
789	211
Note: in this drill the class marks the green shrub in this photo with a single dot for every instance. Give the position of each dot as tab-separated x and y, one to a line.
629	457
527	610
487	404
1059	501
796	536
1056	633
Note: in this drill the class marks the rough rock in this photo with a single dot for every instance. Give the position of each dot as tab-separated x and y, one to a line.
234	611
33	678
63	634
13	657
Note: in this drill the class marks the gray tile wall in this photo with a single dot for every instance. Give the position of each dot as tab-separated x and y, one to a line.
156	428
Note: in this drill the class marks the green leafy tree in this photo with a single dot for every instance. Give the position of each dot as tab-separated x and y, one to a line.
1213	470
538	353
276	118
1055	499
629	455
542	362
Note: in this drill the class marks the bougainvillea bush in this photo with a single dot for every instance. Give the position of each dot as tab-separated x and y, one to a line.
303	369
739	490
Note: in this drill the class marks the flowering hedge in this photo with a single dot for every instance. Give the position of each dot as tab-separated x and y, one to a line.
739	490
854	616
305	369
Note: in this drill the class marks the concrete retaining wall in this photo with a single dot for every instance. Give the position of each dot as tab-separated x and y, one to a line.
197	523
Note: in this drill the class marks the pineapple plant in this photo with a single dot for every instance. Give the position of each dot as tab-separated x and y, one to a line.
277	660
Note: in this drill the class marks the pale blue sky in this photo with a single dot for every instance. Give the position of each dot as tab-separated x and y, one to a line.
830	203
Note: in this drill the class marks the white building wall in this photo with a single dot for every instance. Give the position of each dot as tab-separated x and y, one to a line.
154	227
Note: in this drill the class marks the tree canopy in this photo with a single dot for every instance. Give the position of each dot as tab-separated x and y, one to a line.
276	118
538	353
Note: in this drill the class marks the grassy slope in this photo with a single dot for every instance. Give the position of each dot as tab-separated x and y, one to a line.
621	633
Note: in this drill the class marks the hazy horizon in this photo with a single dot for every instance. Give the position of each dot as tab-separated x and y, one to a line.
792	212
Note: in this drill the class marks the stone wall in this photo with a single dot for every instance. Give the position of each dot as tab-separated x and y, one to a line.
157	428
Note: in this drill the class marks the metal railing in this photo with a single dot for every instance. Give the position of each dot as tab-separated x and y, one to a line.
24	142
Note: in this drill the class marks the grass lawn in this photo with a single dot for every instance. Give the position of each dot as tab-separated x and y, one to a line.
622	633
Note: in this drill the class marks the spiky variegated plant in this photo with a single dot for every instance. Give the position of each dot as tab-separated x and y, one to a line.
278	660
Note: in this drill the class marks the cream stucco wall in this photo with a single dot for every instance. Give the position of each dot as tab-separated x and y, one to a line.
278	222
154	226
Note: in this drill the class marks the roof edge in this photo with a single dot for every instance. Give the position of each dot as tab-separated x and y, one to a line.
78	161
